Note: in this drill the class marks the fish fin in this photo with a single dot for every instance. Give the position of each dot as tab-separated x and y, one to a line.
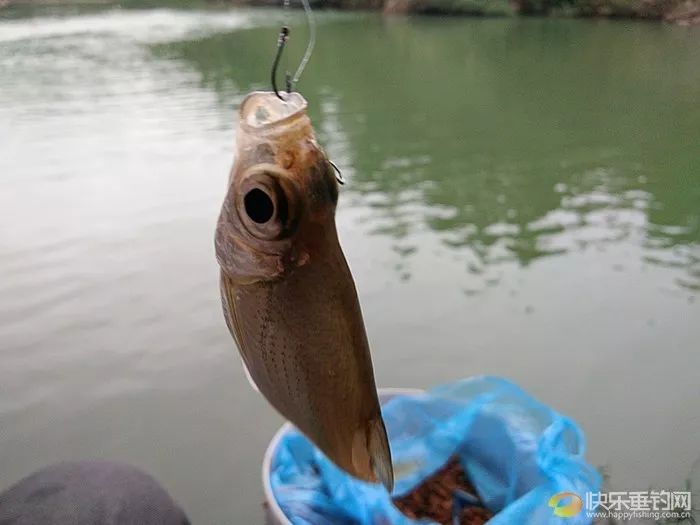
229	307
250	379
379	453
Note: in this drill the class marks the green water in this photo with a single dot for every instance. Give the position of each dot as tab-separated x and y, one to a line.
523	200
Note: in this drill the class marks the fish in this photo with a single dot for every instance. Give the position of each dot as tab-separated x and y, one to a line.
288	297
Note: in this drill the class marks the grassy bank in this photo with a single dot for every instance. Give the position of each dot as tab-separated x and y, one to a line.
682	12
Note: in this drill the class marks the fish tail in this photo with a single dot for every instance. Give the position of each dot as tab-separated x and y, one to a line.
379	453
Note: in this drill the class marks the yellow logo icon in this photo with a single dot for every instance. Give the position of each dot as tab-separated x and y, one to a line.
565	504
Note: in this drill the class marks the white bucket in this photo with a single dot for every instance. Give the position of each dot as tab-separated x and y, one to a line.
275	516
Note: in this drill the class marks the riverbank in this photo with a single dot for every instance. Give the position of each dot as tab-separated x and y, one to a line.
682	12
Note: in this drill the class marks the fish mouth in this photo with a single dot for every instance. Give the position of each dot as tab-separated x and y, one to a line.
263	110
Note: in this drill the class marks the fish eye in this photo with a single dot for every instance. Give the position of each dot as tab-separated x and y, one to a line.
267	202
258	206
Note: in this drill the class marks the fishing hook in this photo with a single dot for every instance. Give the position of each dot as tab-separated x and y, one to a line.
338	174
282	41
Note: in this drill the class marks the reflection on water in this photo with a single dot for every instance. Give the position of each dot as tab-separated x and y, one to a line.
511	140
523	199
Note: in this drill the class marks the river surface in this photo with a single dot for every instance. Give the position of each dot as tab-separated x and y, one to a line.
523	199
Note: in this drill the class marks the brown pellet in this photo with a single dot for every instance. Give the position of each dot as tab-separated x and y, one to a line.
433	499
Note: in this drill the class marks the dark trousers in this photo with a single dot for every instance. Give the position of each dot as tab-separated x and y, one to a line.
89	493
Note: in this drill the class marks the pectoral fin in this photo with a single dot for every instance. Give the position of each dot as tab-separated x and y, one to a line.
229	308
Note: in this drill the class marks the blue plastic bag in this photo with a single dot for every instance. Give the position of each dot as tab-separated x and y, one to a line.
517	452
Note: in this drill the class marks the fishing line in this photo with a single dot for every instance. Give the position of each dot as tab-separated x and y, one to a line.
311	22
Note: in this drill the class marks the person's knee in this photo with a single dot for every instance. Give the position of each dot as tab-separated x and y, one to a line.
93	492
